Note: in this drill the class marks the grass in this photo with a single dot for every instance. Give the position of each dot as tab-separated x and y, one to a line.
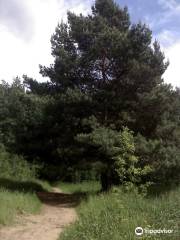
90	187
19	198
18	187
115	216
13	203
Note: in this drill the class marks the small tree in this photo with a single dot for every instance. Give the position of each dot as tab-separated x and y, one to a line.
117	152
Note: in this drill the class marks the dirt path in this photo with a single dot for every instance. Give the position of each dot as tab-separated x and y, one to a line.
57	212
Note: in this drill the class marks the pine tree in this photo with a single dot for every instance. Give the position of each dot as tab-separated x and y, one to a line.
108	69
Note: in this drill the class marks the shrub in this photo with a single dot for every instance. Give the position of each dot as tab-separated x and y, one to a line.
116	150
15	166
162	157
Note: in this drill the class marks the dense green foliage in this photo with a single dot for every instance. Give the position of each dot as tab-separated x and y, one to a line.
105	106
117	150
14	166
104	115
116	214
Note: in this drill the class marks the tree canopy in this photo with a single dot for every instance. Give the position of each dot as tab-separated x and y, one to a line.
105	101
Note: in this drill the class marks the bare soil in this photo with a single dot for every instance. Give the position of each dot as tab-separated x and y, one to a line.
57	212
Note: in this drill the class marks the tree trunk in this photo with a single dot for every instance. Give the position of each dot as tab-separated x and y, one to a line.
106	181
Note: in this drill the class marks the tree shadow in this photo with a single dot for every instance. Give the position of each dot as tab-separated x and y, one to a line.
160	190
20	186
61	199
49	198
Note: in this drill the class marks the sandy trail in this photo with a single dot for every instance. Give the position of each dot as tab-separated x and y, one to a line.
57	212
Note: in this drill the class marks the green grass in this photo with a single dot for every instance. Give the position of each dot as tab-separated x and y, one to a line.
18	197
13	203
114	216
18	186
90	187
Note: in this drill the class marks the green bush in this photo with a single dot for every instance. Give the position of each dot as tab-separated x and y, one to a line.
116	150
15	166
163	159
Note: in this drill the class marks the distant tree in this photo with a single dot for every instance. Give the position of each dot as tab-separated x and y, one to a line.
21	119
10	110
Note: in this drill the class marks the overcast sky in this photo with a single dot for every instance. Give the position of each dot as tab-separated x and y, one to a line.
27	25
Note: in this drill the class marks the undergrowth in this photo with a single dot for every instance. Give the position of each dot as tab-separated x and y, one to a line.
18	187
116	214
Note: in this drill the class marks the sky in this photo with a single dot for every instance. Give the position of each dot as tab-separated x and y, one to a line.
26	28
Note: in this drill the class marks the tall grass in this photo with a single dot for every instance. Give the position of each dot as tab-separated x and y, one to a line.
18	185
13	203
19	198
115	215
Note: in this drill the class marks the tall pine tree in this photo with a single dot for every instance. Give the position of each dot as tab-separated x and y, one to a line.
108	69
